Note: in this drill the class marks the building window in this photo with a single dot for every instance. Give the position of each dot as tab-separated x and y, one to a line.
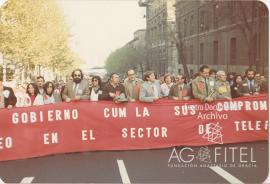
233	51
191	25
201	53
185	27
179	27
255	49
215	16
202	23
215	52
191	54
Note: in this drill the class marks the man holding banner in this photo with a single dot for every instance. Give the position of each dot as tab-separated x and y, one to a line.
203	86
76	89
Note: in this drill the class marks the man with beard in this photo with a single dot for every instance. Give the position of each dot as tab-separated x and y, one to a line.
250	86
77	88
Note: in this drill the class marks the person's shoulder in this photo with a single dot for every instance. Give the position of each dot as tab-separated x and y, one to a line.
69	82
174	85
163	85
84	81
197	79
121	85
244	82
144	84
187	85
227	83
125	80
156	82
139	80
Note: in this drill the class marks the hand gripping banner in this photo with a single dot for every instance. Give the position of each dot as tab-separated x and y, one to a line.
87	126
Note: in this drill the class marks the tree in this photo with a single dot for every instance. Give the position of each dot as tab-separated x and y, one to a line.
181	49
34	33
126	58
253	11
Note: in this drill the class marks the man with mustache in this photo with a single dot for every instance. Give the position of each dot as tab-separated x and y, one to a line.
77	88
250	86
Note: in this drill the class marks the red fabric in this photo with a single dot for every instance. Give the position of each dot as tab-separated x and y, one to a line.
178	129
32	97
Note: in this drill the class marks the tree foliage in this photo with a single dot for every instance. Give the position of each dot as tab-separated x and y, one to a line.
34	33
126	58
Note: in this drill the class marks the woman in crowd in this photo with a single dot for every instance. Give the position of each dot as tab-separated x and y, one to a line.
50	97
20	95
95	89
235	90
166	86
33	98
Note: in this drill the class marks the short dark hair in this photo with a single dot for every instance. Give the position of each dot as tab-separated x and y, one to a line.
112	75
235	77
147	74
97	78
46	85
203	67
41	77
250	70
212	71
36	91
72	74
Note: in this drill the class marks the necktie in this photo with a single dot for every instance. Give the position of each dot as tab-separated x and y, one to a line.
181	88
206	86
76	88
180	92
250	86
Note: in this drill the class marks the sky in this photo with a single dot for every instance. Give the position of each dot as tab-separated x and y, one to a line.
99	27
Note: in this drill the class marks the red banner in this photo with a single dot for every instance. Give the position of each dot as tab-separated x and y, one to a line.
85	126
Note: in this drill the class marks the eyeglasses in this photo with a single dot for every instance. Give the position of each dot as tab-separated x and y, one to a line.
77	75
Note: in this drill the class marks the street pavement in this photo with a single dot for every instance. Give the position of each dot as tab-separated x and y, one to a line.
211	164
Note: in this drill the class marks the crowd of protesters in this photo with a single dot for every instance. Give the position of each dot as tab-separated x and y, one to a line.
207	85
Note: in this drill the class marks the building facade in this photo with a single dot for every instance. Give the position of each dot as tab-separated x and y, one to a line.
139	44
227	35
160	46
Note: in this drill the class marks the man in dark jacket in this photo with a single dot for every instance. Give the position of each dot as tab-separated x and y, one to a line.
7	96
250	86
113	88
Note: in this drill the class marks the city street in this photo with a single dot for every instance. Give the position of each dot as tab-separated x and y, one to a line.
143	166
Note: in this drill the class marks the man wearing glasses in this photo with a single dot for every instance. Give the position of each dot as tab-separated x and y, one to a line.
132	86
77	88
